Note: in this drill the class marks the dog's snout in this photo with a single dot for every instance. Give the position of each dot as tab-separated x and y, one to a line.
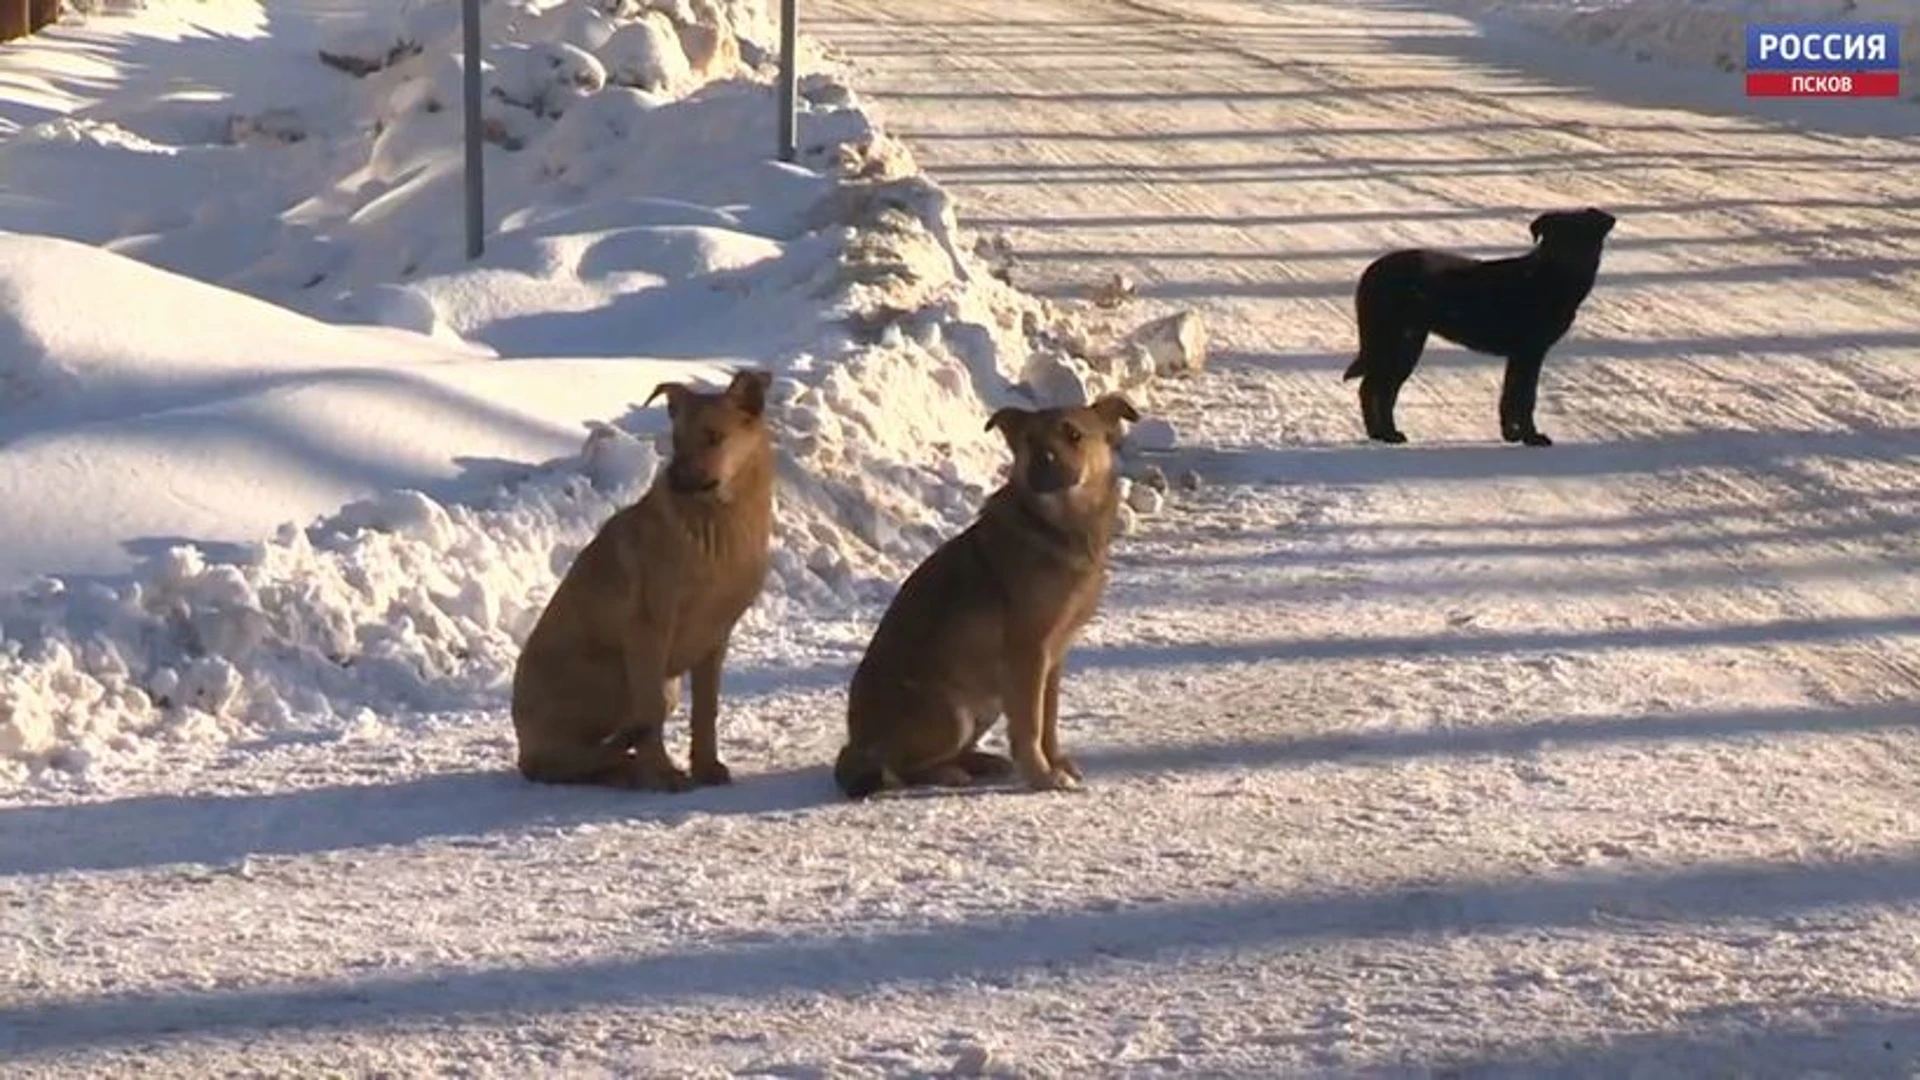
1047	473
686	479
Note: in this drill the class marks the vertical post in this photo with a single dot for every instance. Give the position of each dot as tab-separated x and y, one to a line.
789	76
476	216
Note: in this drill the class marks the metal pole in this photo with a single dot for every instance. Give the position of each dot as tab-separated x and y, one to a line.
476	217
789	76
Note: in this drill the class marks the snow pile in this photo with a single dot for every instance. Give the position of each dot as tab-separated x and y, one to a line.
1704	33
70	353
634	212
400	602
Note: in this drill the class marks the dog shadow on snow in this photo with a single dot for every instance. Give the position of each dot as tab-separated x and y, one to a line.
220	830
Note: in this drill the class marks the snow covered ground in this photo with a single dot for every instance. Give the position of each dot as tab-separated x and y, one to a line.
1455	759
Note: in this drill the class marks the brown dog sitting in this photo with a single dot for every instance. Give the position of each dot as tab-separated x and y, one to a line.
983	625
654	595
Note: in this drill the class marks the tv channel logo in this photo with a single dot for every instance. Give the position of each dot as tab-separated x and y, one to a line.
1823	60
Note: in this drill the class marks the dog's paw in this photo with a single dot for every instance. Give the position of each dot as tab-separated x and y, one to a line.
663	779
1537	438
1391	438
1065	764
714	774
949	775
1054	779
986	767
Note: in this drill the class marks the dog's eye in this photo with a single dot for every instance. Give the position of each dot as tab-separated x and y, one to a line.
1071	434
714	438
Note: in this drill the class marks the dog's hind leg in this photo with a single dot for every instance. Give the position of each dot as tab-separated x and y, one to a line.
1389	397
1376	413
860	772
958	764
652	696
1376	401
600	764
947	774
1380	388
1518	389
1370	407
1393	326
981	766
984	767
936	751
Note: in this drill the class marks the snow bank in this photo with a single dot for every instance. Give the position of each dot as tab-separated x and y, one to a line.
628	221
1705	34
184	410
399	602
86	332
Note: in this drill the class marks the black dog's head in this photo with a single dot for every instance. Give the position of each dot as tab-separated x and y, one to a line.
1573	230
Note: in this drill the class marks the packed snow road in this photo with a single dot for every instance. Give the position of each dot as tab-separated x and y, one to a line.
1454	756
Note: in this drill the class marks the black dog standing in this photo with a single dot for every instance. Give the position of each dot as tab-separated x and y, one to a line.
1515	308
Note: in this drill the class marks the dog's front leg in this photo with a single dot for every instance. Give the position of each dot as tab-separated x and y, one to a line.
707	766
1025	700
1518	390
1050	725
651	699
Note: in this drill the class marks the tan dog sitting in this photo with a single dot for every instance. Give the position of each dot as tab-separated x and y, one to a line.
983	625
654	595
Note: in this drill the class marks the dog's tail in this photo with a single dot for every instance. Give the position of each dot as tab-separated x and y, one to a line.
860	773
1355	369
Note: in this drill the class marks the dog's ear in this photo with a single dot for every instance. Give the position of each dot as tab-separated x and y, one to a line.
1539	226
748	390
1113	408
676	393
1009	420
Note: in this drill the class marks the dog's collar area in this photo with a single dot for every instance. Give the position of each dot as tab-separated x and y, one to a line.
679	487
1023	504
1059	537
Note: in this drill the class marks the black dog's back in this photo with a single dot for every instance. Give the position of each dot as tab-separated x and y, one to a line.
1394	293
1504	306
